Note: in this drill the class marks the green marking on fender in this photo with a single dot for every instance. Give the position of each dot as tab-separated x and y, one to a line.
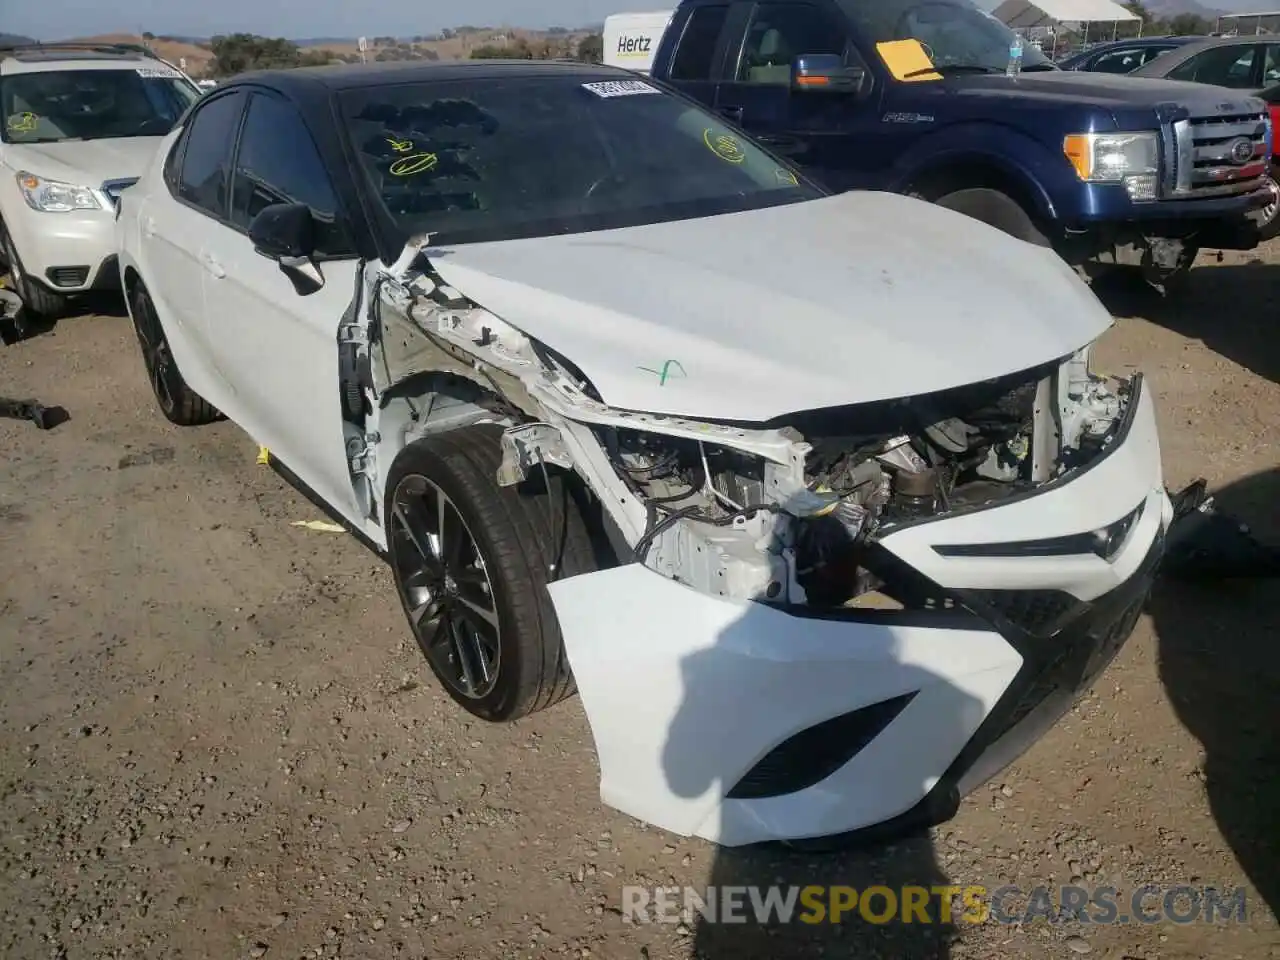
665	373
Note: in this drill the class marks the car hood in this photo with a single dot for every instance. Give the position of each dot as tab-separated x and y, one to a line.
1106	90
85	162
752	316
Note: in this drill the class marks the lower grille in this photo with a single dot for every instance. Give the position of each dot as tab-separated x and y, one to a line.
1218	156
1064	646
67	276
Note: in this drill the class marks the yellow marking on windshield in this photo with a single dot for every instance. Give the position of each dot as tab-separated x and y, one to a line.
724	146
787	177
400	146
414	163
22	122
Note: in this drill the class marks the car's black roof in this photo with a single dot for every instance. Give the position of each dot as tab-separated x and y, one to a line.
305	83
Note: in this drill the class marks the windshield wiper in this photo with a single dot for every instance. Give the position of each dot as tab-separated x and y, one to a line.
1040	68
966	68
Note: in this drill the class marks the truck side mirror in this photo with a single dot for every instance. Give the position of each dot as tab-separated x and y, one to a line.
826	73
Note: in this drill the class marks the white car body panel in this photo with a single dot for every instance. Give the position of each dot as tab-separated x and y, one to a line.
80	237
756	308
276	358
685	692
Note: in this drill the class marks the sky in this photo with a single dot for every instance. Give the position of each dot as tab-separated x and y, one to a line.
63	19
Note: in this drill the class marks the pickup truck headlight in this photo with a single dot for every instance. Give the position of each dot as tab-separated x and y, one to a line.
1129	158
54	196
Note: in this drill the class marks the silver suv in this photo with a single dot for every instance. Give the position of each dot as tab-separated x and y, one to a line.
78	124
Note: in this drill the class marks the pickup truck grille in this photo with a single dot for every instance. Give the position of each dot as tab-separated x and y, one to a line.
1217	156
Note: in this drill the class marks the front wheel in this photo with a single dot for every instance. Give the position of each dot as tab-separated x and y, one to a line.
996	209
36	298
472	560
177	401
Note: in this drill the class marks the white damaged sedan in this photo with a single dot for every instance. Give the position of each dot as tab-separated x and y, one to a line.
814	499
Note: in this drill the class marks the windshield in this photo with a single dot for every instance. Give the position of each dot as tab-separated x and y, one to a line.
498	159
955	34
46	106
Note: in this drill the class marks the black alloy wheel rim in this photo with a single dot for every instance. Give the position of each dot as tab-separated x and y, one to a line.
445	586
155	351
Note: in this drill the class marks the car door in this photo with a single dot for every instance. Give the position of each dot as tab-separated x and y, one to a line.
1119	61
694	67
1270	65
1236	65
814	130
172	223
278	349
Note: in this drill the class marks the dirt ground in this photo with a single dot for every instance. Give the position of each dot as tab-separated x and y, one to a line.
218	740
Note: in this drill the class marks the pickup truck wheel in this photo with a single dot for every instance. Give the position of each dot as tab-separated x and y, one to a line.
1269	216
472	560
36	298
997	209
177	401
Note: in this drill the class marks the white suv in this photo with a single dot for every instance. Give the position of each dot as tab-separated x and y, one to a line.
78	124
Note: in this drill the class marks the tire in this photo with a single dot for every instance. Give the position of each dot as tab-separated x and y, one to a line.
177	401
996	209
37	299
1269	216
507	572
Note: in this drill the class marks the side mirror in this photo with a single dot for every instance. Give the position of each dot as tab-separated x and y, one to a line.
285	232
826	73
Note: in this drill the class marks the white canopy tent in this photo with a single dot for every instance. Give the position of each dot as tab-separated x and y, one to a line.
1045	13
1050	18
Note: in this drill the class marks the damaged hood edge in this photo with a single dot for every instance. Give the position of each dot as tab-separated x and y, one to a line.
698	319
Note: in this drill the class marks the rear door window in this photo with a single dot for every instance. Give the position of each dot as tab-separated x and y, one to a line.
1230	66
695	54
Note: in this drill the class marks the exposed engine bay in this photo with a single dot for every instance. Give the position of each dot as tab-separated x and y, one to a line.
783	513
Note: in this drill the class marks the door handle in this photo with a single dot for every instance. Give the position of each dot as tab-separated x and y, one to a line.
733	113
212	265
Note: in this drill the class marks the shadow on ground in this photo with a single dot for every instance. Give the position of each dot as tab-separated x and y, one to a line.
26	326
733	699
1219	655
1231	309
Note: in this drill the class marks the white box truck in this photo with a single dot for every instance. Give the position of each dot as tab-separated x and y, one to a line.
631	39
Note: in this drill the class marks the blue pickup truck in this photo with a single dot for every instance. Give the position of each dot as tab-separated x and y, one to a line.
938	99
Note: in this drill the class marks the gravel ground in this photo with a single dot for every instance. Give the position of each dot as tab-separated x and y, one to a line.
217	738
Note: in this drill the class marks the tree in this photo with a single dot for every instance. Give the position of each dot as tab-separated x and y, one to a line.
148	35
1189	25
240	52
591	48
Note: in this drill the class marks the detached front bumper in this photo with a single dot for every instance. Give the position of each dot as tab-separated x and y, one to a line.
741	722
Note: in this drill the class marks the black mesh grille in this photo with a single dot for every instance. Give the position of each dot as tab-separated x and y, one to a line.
1041	613
1064	642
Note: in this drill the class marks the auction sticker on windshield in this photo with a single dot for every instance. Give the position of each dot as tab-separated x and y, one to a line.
158	72
907	60
619	88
